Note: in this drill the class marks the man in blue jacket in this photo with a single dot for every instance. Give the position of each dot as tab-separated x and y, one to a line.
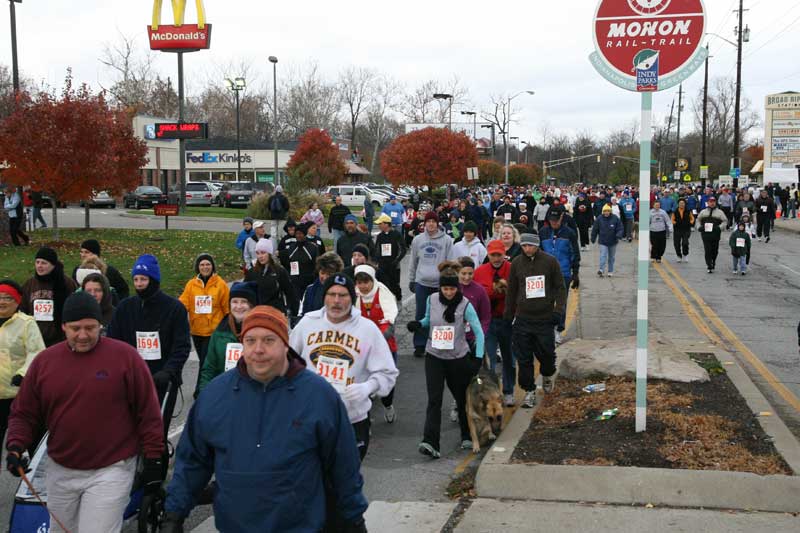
627	208
608	230
277	438
561	242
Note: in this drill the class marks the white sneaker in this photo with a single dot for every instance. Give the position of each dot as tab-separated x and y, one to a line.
610	274
389	414
685	258
454	412
508	400
759	239
530	399
735	272
426	449
558	337
549	383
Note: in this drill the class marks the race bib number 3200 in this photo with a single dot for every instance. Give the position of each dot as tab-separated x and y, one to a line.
334	371
443	337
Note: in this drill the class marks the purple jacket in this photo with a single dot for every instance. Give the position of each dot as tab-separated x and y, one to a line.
477	296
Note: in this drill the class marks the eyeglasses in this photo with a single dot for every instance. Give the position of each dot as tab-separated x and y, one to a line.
6	299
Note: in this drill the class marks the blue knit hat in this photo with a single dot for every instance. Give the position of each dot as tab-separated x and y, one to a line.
147	265
350	218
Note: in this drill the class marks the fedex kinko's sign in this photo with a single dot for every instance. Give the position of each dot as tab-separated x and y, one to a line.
179	37
648	45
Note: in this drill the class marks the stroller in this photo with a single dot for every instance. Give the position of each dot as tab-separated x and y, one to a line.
28	515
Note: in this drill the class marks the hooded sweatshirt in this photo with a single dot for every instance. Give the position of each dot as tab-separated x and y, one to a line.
357	341
475	249
427	251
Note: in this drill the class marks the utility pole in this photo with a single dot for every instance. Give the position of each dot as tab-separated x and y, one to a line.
661	147
14	64
705	119
680	108
736	124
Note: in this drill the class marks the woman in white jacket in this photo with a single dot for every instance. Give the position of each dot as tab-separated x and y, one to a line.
377	303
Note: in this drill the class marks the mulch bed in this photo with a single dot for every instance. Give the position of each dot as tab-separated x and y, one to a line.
696	426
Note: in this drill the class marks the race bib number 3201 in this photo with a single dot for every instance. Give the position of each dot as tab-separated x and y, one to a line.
148	344
334	371
443	337
534	287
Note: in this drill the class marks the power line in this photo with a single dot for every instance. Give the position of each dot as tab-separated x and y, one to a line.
784	30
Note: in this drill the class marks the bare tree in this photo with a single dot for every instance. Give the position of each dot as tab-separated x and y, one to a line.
381	126
308	101
421	107
133	72
498	115
356	87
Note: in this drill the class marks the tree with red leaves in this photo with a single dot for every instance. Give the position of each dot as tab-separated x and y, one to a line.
490	172
432	156
524	174
70	147
316	163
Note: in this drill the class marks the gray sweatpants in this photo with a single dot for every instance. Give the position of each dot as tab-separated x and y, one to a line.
89	501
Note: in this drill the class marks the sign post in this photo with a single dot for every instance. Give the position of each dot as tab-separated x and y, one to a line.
647	46
166	211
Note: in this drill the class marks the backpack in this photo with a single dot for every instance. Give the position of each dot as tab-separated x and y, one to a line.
275	203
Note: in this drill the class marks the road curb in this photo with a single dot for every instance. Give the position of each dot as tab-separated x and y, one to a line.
497	478
181	218
787	226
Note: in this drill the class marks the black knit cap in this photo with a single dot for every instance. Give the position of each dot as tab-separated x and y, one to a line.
48	254
448	281
362	249
80	305
343	280
247	290
92	245
205	256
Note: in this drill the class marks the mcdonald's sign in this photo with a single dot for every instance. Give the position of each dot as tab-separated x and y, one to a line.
179	37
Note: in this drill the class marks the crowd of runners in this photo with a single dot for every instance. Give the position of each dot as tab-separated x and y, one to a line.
294	353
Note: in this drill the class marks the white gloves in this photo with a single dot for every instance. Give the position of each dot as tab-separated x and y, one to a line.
358	392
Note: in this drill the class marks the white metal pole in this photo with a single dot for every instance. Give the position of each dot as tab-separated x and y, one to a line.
645	150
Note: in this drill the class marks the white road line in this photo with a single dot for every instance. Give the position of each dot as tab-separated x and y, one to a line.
789	269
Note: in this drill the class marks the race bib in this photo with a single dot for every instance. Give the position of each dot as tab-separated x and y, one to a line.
534	287
507	216
628	207
233	351
202	305
294	268
395	214
148	344
764	209
43	310
443	337
740	242
694	211
709	227
334	371
386	250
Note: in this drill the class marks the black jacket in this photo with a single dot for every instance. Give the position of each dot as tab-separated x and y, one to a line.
114	278
397	249
274	288
336	217
305	255
279	208
161	313
346	243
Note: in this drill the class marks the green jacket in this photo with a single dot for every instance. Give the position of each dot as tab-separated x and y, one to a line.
214	364
739	251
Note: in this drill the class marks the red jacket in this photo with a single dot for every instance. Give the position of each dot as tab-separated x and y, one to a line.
100	406
484	276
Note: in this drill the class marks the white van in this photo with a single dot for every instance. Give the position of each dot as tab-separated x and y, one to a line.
354	195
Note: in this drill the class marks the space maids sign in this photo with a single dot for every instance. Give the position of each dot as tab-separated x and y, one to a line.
648	45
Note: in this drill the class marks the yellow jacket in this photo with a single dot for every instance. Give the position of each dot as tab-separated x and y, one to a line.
20	342
204	324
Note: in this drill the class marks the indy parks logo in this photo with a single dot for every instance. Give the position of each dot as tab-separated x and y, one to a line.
645	63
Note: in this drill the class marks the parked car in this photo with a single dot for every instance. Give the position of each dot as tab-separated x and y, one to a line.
216	187
353	195
199	193
236	194
101	199
144	196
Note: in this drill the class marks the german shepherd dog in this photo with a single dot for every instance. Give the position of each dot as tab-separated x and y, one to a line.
484	408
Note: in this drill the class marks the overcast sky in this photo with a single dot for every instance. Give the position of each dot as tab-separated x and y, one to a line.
494	47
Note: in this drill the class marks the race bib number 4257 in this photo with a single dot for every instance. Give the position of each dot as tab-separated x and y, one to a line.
43	310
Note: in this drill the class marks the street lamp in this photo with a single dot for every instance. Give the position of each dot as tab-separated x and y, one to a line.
237	85
527	144
508	127
490	126
516	139
474	116
14	65
445	96
274	61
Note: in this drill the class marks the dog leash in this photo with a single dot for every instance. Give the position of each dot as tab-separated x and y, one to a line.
36	495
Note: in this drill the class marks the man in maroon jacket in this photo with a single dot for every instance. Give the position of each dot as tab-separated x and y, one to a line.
96	397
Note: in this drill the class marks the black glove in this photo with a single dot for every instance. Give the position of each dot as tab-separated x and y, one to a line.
162	379
16	381
414	326
171	523
411	286
355	527
556	319
152	475
576	281
15	460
